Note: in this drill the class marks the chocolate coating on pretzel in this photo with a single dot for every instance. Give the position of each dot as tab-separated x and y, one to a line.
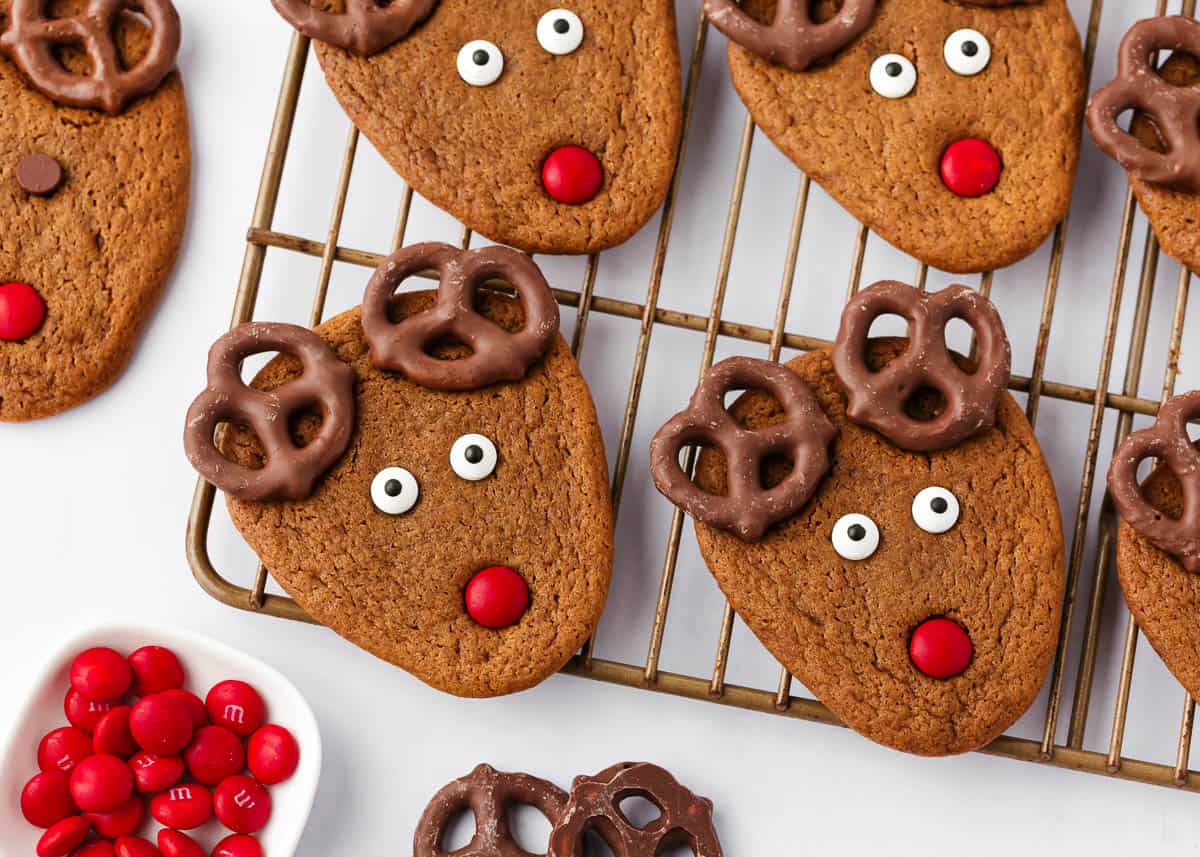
878	399
1173	110
489	794
792	39
497	355
32	38
1168	441
748	508
290	471
685	819
366	27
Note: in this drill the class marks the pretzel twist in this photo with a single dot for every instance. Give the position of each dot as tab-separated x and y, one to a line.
748	508
685	820
878	399
488	793
290	471
792	39
1174	110
365	27
1168	441
31	38
497	355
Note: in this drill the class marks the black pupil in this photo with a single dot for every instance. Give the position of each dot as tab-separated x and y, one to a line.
561	25
970	49
893	69
857	532
393	488
939	505
473	454
480	57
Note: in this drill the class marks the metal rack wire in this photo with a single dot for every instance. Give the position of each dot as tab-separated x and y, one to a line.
650	315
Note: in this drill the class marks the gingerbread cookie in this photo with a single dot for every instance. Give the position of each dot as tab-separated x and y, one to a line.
950	128
1161	150
415	472
94	176
1158	545
912	575
550	129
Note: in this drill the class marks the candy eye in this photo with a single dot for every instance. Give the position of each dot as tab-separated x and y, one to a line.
560	31
935	510
473	457
394	491
855	537
893	76
967	52
480	63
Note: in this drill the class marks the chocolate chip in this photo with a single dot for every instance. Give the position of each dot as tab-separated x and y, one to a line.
38	174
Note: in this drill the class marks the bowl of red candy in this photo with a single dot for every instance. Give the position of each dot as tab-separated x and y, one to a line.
158	743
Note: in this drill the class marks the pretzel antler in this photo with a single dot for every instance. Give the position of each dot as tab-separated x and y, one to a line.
1168	441
365	27
489	794
685	820
747	508
792	39
31	38
1174	110
290	471
878	399
497	354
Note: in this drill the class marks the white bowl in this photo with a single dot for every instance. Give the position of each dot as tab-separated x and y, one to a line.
206	662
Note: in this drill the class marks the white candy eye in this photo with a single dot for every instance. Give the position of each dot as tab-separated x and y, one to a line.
967	52
893	76
560	31
473	457
480	63
394	490
935	510
855	537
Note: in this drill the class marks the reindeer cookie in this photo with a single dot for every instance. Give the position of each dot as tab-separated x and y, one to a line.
950	127
881	517
1158	546
424	474
550	128
1161	149
94	176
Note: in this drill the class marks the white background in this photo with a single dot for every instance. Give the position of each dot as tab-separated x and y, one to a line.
93	503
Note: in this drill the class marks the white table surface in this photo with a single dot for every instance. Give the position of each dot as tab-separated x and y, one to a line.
93	504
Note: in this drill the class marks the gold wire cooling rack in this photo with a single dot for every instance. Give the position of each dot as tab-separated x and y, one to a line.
714	688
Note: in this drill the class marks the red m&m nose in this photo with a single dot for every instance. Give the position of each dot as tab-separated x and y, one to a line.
572	175
497	597
22	311
940	648
971	167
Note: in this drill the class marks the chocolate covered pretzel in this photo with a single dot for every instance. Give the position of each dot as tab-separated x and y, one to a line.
793	39
365	27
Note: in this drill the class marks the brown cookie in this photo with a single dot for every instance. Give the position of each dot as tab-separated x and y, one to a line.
478	151
844	626
96	242
392	580
883	158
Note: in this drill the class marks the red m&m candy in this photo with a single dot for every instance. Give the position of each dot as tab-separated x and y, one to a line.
940	648
64	837
99	674
95	848
46	799
497	597
122	821
971	167
272	754
183	807
161	724
242	804
572	175
215	753
112	733
101	783
193	704
134	846
152	774
172	843
237	706
155	669
84	713
22	311
63	749
238	845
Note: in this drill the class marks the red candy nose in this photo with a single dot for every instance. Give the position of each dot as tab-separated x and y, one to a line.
22	311
572	175
497	597
971	167
940	648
